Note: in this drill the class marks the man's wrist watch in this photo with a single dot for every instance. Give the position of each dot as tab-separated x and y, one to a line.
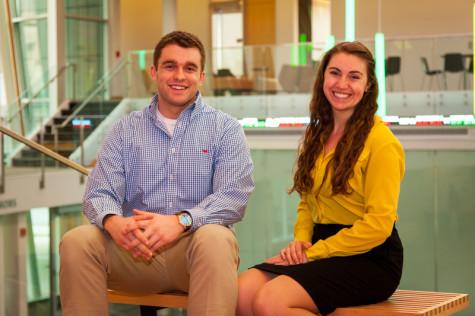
185	220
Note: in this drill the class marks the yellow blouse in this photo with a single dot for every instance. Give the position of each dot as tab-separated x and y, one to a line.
371	207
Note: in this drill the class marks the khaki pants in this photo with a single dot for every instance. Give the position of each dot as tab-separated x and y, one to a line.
203	264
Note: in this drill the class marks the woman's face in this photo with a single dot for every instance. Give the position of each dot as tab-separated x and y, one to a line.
345	82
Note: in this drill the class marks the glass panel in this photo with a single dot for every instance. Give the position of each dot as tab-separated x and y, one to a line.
227	36
435	217
85	48
455	184
85	8
270	215
22	8
32	50
38	254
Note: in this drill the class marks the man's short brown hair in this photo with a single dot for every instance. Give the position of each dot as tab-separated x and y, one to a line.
182	39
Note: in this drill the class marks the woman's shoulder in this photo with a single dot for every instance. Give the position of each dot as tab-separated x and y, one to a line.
380	135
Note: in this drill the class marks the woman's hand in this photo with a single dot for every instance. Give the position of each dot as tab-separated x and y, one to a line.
292	254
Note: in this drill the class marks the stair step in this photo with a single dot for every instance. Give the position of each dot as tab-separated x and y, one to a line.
48	128
33	162
61	137
65	146
66	112
68	136
31	153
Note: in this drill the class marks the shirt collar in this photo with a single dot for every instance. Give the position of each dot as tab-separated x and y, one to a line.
196	107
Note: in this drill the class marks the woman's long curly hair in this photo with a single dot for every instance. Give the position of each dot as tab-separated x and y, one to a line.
321	126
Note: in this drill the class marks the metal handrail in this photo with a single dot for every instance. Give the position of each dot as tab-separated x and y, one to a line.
101	84
30	100
44	150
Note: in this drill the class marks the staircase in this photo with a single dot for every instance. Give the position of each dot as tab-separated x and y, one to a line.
68	136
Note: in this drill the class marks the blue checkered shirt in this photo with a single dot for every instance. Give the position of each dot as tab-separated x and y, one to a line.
204	168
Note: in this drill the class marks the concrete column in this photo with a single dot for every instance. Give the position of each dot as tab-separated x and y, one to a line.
286	21
168	16
9	87
15	280
56	51
2	270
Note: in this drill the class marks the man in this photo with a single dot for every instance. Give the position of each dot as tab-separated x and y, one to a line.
169	182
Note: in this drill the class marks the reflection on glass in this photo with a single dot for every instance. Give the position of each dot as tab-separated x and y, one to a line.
85	42
89	8
21	8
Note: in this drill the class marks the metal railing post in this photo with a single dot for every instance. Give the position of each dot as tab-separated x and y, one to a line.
56	139
2	163
74	80
42	159
81	144
52	261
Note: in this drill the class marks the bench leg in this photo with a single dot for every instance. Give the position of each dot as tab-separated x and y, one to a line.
148	310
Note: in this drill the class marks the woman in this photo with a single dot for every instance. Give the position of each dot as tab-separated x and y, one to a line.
346	249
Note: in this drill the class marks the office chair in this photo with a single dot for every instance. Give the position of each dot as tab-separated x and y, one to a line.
306	78
224	72
297	78
430	73
393	67
288	78
453	62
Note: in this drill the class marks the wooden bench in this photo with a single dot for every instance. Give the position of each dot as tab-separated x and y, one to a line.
402	303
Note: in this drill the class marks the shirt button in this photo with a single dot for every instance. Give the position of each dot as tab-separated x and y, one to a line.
170	204
173	150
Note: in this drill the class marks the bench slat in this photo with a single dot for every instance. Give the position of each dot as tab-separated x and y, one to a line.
401	303
411	303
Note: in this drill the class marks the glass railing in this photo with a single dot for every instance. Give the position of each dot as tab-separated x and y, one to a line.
424	76
34	103
74	120
32	109
270	86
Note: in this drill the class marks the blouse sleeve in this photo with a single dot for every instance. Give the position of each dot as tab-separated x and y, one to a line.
303	229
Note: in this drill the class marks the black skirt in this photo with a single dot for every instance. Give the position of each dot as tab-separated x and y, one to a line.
347	281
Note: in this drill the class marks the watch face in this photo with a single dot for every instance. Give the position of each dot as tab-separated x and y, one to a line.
185	219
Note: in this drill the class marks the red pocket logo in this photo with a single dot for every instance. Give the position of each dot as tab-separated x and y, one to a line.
204	150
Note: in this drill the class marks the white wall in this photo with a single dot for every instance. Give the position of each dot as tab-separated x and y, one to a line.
140	24
403	18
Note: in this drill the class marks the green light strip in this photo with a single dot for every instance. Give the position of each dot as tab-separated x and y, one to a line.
142	62
302	49
330	42
380	72
350	20
294	54
418	120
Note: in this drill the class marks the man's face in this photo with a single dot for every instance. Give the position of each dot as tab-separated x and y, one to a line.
178	76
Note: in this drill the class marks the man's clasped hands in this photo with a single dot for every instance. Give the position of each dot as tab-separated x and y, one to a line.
143	233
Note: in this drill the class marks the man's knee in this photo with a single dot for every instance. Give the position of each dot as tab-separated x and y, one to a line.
213	235
80	240
214	239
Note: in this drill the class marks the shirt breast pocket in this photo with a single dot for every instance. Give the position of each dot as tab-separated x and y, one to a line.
198	164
